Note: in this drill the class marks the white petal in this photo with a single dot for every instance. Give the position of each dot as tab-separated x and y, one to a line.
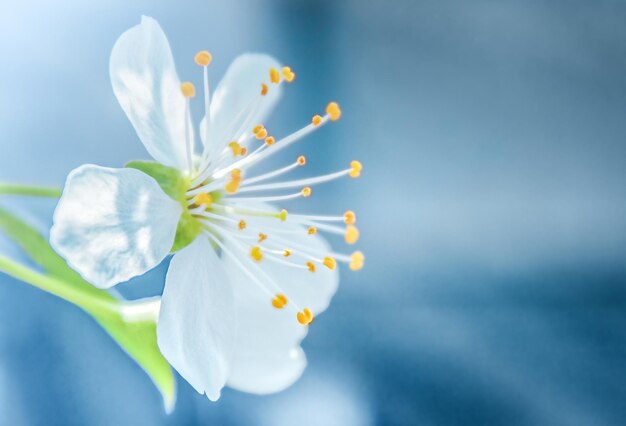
268	357
113	224
237	102
196	327
147	87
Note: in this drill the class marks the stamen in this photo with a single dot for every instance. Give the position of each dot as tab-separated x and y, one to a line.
355	169
312	230
270	140
188	89
205	199
357	260
298	194
279	301
262	237
274	76
333	111
306	192
286	252
288	74
235	180
300	182
316	120
255	253
301	161
260	132
330	263
203	58
305	317
349	217
242	225
264	89
237	149
311	266
352	234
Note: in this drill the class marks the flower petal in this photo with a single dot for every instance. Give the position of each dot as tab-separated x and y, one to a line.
267	353
113	224
147	87
196	327
237	104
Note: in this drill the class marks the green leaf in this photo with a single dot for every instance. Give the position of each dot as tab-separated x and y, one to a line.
138	339
174	184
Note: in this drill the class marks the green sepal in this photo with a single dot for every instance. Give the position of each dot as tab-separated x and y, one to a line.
137	339
174	184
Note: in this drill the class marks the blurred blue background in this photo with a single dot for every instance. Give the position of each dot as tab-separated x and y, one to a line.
492	206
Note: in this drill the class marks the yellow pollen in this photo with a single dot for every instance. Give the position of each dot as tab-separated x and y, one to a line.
306	192
264	89
355	169
260	132
236	148
255	253
242	225
262	237
333	111
286	252
305	317
203	58
282	215
204	198
312	230
288	74
316	120
235	180
301	160
356	260
270	140
274	76
311	266
330	263
279	301
352	234
243	151
349	217
188	89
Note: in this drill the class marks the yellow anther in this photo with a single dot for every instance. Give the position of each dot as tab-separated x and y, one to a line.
274	76
312	230
204	198
352	234
306	192
262	237
235	173
305	317
286	252
270	140
255	253
264	89
282	215
235	147
232	186
243	151
330	263
316	120
203	58
260	132
288	74
349	217
279	301
242	225
355	169
311	266
356	260
257	128
188	89
333	111
301	160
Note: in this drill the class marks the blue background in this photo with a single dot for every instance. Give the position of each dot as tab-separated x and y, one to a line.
491	207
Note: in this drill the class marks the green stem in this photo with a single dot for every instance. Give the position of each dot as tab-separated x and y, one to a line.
30	190
58	287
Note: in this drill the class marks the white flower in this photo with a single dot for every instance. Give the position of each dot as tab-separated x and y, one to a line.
246	277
